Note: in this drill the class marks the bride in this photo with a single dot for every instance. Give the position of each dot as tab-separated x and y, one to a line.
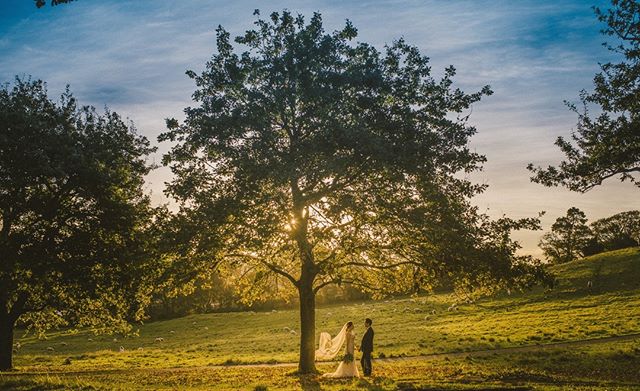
329	348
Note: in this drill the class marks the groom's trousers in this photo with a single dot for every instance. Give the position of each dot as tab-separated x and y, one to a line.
365	361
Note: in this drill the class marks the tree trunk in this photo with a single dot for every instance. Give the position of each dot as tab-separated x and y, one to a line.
6	340
307	327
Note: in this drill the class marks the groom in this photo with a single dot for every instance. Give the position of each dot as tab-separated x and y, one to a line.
366	347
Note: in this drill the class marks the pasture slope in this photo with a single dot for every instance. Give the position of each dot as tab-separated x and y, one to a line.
577	336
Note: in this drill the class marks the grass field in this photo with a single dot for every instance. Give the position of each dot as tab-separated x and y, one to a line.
412	337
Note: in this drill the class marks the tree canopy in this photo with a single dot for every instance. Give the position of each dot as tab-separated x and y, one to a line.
74	219
568	238
313	161
42	3
607	144
621	230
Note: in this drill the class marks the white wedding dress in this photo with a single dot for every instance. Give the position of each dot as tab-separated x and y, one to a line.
329	348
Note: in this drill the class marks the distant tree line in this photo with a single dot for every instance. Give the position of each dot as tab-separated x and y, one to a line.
215	293
571	238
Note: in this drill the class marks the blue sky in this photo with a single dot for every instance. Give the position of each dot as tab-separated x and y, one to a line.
132	55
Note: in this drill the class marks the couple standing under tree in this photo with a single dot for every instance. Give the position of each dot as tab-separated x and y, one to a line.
329	348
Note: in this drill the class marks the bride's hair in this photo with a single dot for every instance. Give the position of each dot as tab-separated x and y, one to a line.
349	325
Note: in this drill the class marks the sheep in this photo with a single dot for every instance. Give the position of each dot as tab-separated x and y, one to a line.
287	329
140	348
433	312
63	344
51	349
121	349
17	345
159	339
172	332
90	339
589	284
67	361
293	332
115	340
452	307
206	327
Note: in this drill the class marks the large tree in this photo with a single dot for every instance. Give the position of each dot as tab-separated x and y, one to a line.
74	220
608	144
568	238
309	160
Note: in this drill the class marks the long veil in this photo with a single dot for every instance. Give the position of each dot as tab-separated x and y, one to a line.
328	348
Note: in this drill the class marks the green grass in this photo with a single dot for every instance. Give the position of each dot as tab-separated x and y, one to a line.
193	345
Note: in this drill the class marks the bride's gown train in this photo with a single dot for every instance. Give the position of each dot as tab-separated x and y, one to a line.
329	348
347	369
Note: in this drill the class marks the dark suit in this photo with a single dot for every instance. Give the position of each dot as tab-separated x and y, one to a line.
366	347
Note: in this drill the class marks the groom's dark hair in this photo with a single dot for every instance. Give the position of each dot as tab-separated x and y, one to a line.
368	321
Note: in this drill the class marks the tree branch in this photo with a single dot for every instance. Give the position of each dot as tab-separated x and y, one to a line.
270	266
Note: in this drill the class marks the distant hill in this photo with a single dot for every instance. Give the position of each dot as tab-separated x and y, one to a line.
611	271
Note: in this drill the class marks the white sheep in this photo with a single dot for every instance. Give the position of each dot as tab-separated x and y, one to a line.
293	332
90	339
159	339
115	340
50	348
172	332
140	348
121	349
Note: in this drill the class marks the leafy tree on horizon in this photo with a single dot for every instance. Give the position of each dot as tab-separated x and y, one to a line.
74	219
606	145
309	161
621	230
568	238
